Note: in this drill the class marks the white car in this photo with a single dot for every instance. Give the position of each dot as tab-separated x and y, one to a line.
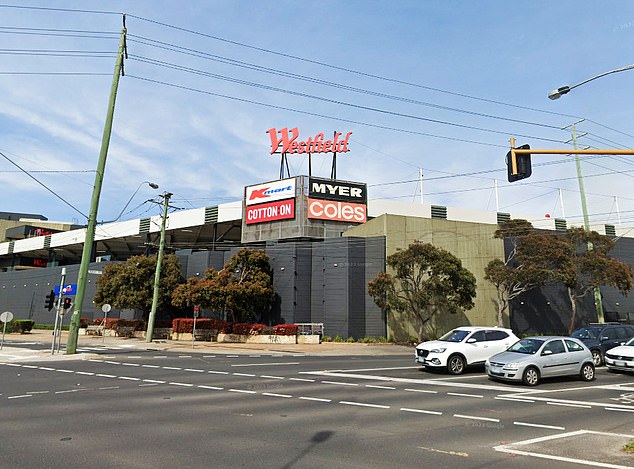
621	358
464	346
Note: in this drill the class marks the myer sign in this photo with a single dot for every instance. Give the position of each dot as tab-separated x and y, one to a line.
331	189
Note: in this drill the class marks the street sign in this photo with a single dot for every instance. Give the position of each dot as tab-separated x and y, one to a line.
7	316
68	289
106	308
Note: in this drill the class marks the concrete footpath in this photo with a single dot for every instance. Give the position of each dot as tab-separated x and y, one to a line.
29	347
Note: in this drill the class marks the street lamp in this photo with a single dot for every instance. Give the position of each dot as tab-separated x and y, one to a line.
151	184
559	92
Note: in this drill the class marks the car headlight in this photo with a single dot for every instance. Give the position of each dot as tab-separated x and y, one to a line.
437	350
512	366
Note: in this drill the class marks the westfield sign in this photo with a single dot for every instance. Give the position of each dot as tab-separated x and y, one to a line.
287	141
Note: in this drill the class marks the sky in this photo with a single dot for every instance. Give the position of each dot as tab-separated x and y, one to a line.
437	86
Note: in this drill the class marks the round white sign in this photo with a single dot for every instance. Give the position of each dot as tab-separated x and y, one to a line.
106	308
6	316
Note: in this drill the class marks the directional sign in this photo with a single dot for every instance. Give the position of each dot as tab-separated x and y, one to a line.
68	289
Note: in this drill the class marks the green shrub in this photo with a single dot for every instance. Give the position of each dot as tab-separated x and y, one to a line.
22	325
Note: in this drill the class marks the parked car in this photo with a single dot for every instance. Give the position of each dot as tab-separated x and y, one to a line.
600	338
621	358
462	347
533	358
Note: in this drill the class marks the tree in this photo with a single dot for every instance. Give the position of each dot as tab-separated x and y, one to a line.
426	281
528	264
583	264
242	288
130	284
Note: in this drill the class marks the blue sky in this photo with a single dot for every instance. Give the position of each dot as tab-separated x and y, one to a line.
437	85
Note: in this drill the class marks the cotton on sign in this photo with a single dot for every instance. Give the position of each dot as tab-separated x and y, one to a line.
281	210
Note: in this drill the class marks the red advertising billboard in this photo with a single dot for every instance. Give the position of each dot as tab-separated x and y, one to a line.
336	211
279	210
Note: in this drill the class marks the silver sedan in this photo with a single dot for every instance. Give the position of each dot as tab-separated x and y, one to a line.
533	358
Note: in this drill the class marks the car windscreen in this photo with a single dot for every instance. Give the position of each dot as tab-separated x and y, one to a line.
586	333
457	335
527	346
630	342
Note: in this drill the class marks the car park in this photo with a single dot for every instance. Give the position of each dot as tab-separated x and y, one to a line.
621	358
462	347
533	358
601	337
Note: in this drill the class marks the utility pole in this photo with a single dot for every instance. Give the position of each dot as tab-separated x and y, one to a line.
598	303
86	255
157	273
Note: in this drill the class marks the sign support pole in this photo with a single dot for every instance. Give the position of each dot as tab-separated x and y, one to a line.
58	307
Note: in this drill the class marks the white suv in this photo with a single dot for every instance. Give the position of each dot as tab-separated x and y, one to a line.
464	346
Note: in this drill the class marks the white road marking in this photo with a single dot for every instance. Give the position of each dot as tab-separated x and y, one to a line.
29	366
156	381
272	394
134	356
339	382
267	364
110	387
472	417
421	411
464	395
209	356
184	356
375	369
159	356
195	370
538	425
570	405
150	366
64	371
271	377
129	378
130	364
243	374
171	368
38	392
302	379
216	388
513	399
509	448
317	399
242	391
363	404
102	375
619	410
85	373
112	363
232	356
67	391
95	360
441	451
149	384
218	372
376	386
188	385
19	397
46	368
422	390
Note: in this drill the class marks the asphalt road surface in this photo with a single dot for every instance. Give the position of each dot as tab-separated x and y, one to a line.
151	409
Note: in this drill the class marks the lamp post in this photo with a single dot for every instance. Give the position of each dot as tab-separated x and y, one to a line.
151	184
157	273
562	90
556	94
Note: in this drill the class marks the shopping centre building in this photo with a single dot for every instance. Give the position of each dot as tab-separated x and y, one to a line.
325	240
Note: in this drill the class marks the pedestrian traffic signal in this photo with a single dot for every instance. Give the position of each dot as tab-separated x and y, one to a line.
50	300
518	164
67	303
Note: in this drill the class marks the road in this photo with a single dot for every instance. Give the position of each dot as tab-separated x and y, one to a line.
144	408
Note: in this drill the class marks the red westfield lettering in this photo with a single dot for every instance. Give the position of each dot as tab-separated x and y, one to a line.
290	144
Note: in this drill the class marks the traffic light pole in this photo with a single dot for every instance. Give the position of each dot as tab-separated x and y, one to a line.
58	307
82	276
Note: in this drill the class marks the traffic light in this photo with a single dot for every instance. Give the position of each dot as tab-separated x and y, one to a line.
50	300
520	162
67	303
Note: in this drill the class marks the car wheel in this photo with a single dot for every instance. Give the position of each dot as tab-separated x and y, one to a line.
456	365
530	376
587	372
596	358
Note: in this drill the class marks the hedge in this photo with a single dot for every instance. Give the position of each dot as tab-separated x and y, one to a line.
285	329
19	325
186	325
